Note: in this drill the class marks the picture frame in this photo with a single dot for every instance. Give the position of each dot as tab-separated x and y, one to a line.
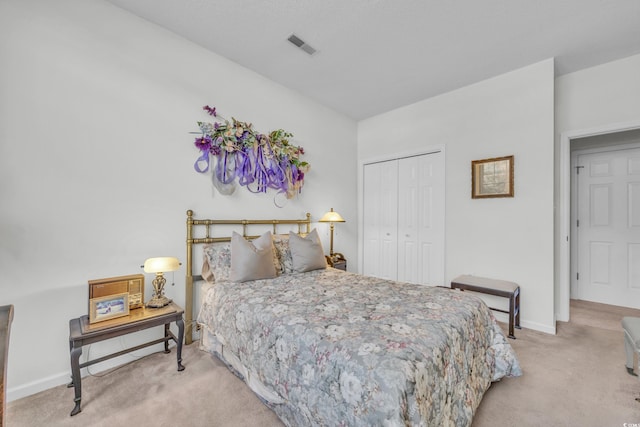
492	177
108	307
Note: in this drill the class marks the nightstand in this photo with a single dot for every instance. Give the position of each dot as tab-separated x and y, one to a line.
82	333
340	265
337	261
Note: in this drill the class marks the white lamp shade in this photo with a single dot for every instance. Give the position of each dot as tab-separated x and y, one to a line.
161	264
331	216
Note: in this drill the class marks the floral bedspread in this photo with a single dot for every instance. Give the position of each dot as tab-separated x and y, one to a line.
343	349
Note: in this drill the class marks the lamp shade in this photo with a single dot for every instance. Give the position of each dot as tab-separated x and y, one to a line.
161	264
331	216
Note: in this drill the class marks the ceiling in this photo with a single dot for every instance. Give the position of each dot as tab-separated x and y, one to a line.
377	55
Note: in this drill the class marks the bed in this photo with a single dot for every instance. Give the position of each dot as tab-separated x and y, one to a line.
329	347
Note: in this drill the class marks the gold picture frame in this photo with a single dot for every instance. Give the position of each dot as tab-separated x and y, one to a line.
108	307
492	177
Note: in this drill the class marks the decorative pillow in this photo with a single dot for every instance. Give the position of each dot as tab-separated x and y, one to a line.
216	265
252	260
284	264
306	252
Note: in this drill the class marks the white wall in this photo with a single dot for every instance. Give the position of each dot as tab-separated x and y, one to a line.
599	96
597	100
96	163
507	238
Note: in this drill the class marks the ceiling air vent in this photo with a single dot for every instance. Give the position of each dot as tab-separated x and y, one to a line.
301	44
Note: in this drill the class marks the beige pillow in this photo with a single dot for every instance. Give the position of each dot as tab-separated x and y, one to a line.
251	260
306	252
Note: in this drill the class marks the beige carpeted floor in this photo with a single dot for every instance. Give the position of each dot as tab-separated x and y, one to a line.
575	378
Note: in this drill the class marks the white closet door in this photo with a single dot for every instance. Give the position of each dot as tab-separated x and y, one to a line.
421	219
432	218
408	220
380	217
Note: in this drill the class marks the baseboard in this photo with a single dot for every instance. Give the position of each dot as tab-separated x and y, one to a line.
504	318
539	327
34	387
24	390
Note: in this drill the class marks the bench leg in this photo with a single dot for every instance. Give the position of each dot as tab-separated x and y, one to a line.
512	308
518	311
630	351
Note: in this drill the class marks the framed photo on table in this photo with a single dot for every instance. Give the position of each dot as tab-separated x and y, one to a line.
108	307
492	177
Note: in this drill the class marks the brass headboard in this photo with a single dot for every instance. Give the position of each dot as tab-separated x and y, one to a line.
304	227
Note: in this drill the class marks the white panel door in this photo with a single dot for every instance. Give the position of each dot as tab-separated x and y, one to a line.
431	218
608	218
421	219
408	227
380	219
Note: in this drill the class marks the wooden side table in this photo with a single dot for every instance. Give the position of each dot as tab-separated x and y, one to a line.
82	333
338	261
340	265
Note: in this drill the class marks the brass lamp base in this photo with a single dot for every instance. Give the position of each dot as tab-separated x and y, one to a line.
158	302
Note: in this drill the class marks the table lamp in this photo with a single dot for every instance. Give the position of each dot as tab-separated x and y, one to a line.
160	265
331	217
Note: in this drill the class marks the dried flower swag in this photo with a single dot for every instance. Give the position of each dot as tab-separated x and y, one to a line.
259	162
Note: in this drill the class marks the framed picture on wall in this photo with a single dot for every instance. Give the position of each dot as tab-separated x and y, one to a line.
492	177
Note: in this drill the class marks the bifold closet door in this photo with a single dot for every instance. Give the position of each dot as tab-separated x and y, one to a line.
421	219
403	217
380	219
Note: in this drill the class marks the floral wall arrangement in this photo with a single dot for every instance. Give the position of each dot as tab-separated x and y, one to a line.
237	154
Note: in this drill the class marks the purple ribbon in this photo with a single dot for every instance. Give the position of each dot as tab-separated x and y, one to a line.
244	168
255	165
225	173
204	158
261	174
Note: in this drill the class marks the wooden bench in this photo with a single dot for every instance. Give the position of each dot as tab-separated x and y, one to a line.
499	288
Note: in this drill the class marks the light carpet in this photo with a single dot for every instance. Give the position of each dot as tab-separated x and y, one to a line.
575	378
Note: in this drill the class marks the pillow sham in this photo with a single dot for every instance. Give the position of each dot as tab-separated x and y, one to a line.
252	260
216	264
284	263
306	252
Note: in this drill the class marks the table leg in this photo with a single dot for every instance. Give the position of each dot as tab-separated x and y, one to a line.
166	336
76	381
70	350
180	324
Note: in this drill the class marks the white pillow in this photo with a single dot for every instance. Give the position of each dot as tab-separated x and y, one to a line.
251	260
306	252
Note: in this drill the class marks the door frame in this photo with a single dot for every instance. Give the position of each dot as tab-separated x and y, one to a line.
432	149
563	237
